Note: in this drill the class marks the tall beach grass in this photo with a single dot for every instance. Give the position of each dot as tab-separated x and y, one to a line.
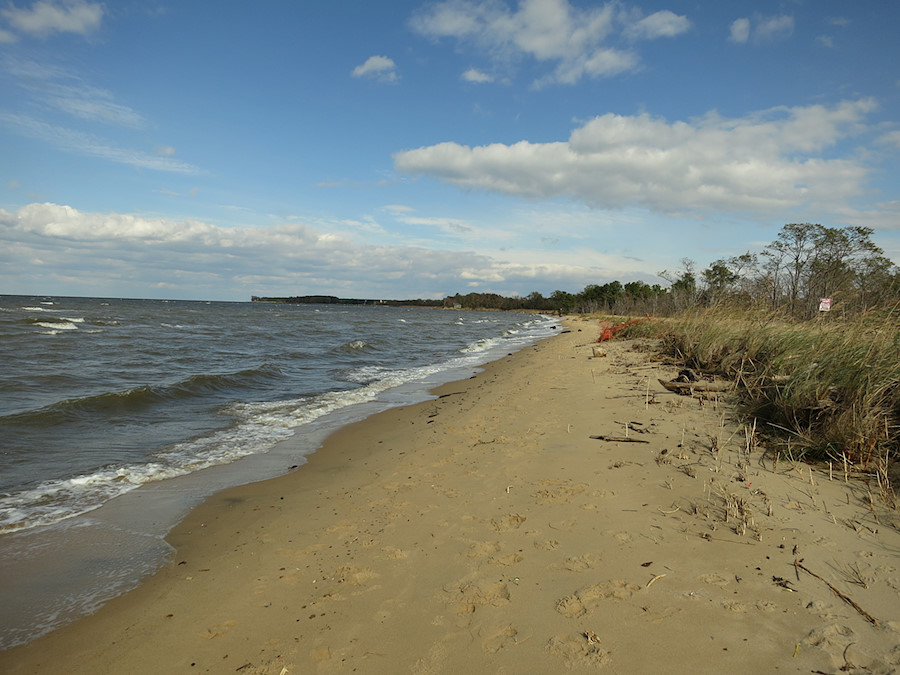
827	389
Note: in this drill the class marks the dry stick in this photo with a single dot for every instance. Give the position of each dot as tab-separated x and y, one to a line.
868	617
656	578
619	439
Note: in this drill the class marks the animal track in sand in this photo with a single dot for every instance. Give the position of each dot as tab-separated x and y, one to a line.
587	599
507	560
578	650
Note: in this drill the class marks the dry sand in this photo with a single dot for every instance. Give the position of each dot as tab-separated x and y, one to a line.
485	531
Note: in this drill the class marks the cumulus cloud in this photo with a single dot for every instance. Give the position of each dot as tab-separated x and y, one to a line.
45	247
766	162
549	31
51	241
761	29
379	68
45	17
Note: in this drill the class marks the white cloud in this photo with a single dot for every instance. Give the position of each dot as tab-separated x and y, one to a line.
766	162
78	142
659	24
65	91
774	28
825	41
476	76
379	68
450	225
890	138
124	253
46	17
761	29
548	31
54	248
740	30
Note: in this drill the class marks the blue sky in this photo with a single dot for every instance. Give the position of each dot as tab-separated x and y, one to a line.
216	150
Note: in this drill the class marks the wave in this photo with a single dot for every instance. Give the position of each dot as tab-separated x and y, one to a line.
56	325
256	427
137	399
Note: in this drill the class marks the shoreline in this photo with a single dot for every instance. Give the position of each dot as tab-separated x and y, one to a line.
485	530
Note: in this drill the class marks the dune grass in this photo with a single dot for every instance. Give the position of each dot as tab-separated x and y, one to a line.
827	389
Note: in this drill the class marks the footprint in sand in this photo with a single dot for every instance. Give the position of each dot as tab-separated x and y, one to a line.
558	491
480	549
621	537
391	553
714	579
355	576
496	638
546	545
833	640
578	650
581	563
587	599
217	630
510	521
507	560
468	597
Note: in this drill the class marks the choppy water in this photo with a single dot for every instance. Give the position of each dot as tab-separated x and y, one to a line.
105	403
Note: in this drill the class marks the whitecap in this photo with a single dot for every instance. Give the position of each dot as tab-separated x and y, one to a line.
57	325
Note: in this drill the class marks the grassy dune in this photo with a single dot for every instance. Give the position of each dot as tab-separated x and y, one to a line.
827	389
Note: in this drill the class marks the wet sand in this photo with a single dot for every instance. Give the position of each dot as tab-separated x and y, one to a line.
485	531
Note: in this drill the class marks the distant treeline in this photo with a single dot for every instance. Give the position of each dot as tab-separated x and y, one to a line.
334	300
805	264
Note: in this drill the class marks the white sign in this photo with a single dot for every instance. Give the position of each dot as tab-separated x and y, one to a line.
825	304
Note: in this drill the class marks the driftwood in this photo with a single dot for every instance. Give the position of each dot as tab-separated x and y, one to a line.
619	439
700	387
868	617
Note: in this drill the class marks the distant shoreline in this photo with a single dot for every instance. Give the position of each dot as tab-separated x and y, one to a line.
334	300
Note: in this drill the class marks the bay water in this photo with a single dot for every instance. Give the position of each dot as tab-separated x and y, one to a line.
118	415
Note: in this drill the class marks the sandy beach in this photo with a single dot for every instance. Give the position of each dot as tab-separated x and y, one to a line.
486	531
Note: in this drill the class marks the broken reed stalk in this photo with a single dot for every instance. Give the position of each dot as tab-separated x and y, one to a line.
868	617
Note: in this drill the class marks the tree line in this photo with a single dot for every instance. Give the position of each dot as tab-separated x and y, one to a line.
806	263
